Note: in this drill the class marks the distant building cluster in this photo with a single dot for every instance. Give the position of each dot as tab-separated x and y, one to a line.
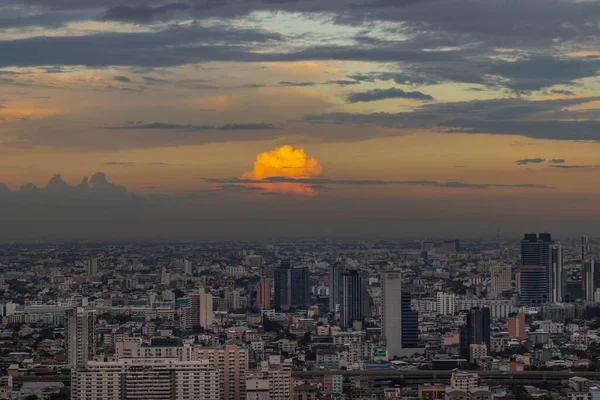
428	320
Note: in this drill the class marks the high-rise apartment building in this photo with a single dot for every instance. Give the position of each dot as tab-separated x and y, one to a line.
354	297
263	293
446	303
232	363
476	330
81	336
291	286
199	311
146	379
516	326
336	273
206	309
272	381
501	278
535	271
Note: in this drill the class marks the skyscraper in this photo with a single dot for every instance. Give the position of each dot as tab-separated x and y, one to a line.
556	274
535	269
591	279
585	248
353	298
336	271
501	278
391	296
410	323
300	287
92	266
476	330
263	295
80	330
291	286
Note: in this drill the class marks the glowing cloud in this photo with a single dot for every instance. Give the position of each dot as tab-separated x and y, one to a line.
285	162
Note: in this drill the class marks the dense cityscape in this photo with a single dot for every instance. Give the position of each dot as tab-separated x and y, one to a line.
305	319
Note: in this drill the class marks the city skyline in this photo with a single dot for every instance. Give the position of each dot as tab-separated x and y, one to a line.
204	119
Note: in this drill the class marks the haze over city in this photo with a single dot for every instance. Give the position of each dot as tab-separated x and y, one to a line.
157	120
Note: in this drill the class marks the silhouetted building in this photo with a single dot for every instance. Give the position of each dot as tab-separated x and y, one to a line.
573	291
291	286
591	279
535	271
556	285
585	248
336	272
535	249
410	323
354	297
476	330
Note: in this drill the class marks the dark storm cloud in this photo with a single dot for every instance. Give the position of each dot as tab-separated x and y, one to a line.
572	166
298	84
343	82
368	182
169	47
511	116
564	92
555	130
152	81
120	78
526	161
126	13
437	48
382	94
168	126
535	73
558	160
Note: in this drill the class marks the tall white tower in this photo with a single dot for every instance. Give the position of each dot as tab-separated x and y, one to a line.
391	300
81	336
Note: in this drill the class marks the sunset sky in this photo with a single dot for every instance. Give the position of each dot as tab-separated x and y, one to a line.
268	118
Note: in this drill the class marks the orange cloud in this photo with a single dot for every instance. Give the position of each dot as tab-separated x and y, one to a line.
20	112
285	162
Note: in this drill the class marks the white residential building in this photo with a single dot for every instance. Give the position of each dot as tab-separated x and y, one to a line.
146	379
446	303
